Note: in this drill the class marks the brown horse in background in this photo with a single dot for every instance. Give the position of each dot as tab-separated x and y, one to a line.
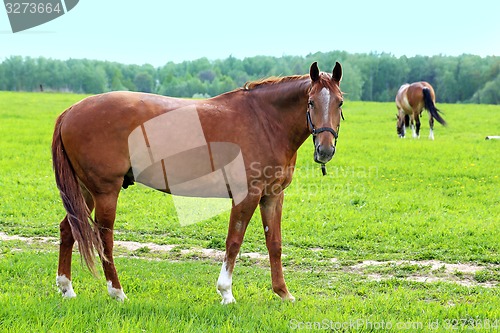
411	99
268	120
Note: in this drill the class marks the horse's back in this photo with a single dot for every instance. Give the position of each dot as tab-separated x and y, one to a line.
410	97
121	109
95	131
416	95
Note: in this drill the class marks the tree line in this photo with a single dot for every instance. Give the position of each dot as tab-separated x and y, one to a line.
367	77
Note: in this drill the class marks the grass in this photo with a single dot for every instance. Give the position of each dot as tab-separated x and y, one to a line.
383	199
180	297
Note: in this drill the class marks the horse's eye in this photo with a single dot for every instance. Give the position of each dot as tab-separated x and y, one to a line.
341	103
310	103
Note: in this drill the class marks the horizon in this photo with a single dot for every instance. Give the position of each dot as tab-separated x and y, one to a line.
255	56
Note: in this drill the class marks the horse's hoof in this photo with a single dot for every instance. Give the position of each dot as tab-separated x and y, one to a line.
115	293
68	294
288	298
65	287
228	300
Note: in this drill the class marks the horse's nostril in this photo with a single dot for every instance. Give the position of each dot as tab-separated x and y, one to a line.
325	151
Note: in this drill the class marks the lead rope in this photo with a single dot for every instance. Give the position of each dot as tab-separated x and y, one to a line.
323	169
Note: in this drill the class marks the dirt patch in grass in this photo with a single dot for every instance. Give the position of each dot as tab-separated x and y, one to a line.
28	240
425	271
466	274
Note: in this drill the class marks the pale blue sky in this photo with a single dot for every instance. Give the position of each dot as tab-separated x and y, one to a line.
158	31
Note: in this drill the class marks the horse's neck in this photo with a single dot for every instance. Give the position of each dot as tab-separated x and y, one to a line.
283	112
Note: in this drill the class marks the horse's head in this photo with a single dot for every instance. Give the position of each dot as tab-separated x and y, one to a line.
324	111
403	120
399	125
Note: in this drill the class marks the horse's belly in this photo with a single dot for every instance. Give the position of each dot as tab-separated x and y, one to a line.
163	158
166	178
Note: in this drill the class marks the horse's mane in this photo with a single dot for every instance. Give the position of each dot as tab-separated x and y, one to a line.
324	78
272	81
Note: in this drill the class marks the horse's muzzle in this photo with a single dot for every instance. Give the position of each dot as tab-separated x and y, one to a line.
323	154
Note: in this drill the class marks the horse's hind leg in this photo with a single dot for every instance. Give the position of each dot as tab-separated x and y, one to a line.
63	279
105	213
431	125
417	126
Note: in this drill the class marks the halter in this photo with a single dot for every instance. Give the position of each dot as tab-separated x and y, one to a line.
315	131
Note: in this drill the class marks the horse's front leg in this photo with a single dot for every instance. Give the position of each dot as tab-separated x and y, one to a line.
240	216
270	209
414	124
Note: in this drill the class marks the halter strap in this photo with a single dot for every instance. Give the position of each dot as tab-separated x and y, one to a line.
315	131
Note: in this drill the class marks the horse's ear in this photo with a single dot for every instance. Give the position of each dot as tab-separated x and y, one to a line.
314	72
337	72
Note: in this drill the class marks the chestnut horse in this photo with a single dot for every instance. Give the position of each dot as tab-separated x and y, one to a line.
411	99
268	120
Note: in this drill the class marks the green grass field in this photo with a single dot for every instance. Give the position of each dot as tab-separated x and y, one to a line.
404	203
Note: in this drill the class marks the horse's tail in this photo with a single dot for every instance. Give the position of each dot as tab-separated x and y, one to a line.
429	105
78	213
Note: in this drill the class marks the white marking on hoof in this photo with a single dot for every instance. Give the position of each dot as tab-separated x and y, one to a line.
288	298
227	297
65	287
224	285
413	131
115	293
431	135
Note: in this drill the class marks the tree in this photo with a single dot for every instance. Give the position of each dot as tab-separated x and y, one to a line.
206	75
116	81
352	82
144	82
369	77
94	81
489	94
